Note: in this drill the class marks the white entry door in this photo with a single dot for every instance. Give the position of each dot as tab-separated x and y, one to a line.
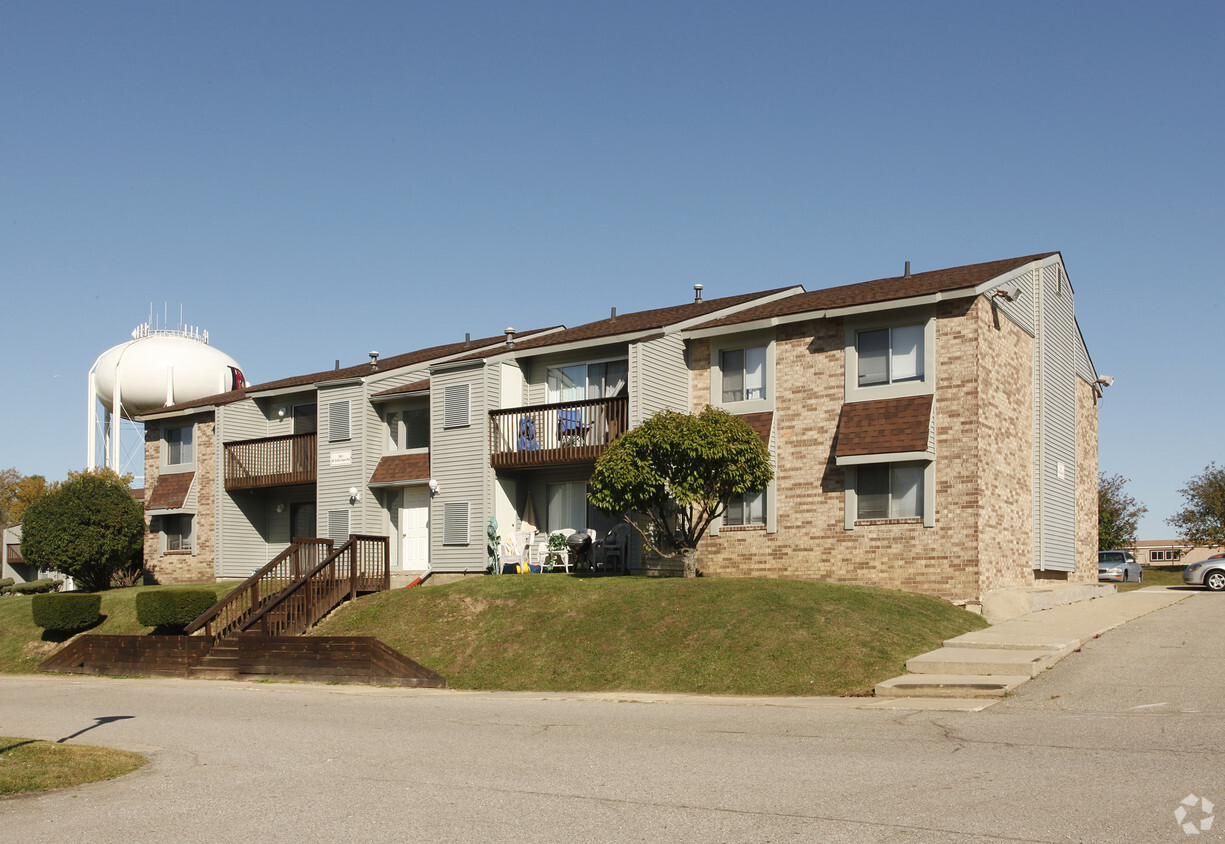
415	530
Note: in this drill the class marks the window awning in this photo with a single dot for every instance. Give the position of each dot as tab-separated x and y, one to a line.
399	469
761	423
170	492
885	430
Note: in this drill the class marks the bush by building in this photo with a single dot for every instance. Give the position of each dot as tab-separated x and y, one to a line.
172	608
69	611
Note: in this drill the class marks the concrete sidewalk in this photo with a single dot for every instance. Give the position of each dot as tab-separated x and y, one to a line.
974	670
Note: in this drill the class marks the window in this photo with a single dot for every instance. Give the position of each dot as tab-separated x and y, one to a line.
890	355
744	373
338	421
305	419
1164	556
409	429
889	491
747	509
302	519
455	401
176	532
579	381
567	505
179	446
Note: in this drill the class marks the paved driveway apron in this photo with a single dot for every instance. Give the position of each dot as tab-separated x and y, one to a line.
1101	748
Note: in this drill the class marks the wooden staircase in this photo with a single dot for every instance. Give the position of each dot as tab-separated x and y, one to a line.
256	630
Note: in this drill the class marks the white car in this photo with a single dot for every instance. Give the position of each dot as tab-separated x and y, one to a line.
1209	573
1118	567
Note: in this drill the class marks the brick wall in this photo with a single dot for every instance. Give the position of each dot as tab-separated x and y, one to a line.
195	566
1086	484
982	538
1006	445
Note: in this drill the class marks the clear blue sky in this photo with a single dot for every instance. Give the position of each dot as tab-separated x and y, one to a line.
310	181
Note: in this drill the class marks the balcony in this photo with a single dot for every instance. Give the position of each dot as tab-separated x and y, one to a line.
271	461
555	434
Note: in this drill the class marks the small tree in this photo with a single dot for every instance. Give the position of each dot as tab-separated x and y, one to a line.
680	470
1201	521
1118	514
89	528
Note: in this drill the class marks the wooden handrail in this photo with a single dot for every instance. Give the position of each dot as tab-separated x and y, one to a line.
290	565
362	564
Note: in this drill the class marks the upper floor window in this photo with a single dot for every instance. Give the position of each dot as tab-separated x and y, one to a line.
889	491
890	355
579	381
179	449
409	428
748	509
744	373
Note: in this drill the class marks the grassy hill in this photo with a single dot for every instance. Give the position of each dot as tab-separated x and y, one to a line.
705	635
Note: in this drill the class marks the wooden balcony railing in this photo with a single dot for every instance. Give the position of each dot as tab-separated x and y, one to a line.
228	615
271	461
552	434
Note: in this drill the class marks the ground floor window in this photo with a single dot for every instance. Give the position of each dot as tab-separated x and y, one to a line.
176	532
749	509
889	491
1164	556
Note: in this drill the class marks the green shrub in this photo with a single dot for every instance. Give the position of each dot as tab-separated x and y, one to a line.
6	585
172	607
33	587
69	611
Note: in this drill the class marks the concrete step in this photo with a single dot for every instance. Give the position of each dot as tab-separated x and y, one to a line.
209	672
949	685
982	661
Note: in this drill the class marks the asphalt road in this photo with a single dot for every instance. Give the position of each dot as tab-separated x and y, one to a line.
1101	748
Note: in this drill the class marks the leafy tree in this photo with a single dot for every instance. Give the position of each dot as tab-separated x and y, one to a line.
89	527
680	470
1201	521
1118	514
29	489
9	479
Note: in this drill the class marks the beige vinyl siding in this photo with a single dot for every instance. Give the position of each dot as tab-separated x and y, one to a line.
1023	309
240	519
1055	453
334	481
658	376
459	460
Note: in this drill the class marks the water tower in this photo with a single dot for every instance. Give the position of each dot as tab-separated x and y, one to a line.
158	367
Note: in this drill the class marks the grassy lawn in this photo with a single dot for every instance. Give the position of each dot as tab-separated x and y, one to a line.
705	635
23	646
29	765
1156	576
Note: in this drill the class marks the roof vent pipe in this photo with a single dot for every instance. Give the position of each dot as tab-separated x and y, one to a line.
337	364
697	293
614	315
467	339
510	337
907	269
374	361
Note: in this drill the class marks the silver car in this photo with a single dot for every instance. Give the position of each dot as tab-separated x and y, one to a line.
1118	567
1209	573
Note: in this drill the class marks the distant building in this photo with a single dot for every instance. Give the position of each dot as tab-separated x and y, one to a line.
1169	552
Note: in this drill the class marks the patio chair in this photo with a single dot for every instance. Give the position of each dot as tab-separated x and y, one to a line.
612	552
570	428
512	555
527	435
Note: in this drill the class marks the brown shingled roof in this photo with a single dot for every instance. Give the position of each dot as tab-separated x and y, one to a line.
395	362
761	423
631	323
170	491
885	426
401	467
880	290
415	387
